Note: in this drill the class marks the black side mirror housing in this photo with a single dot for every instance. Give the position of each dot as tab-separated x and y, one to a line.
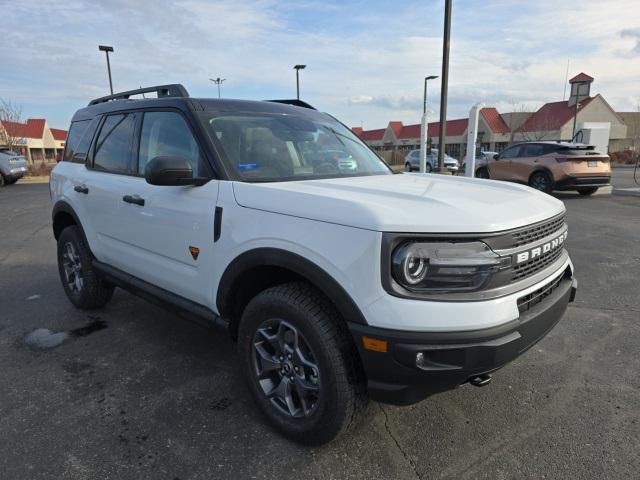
171	171
496	156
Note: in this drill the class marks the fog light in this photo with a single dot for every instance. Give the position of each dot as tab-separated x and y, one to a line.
420	360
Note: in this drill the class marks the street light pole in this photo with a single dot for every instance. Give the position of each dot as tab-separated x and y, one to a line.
297	69
424	133
445	84
106	49
218	81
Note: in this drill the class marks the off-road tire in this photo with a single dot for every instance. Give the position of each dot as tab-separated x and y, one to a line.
541	181
95	292
342	394
587	190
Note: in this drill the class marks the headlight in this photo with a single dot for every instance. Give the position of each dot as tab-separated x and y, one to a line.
441	267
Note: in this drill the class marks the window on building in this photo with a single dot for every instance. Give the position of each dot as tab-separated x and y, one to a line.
167	134
113	148
500	146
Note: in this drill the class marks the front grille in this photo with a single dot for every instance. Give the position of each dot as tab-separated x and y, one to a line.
538	231
537	296
535	264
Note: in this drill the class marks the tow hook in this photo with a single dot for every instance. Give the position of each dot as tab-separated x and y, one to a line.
480	380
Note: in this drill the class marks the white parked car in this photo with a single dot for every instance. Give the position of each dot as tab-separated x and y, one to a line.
339	280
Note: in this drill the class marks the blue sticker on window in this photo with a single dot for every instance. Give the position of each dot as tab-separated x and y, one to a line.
248	166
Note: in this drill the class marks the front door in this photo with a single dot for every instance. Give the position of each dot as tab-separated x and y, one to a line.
500	168
168	230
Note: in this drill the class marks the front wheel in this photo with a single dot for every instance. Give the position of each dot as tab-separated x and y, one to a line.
300	363
541	181
587	190
482	173
82	284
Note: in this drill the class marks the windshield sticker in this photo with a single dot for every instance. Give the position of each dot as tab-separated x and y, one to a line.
243	167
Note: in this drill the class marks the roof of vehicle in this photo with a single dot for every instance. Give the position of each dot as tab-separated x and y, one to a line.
177	96
562	144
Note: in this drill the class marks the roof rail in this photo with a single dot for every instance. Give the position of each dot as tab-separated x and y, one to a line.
297	103
172	90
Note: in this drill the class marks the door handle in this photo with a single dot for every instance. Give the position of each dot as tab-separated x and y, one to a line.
81	189
133	199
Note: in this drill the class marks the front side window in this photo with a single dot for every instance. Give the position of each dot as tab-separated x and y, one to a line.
113	148
277	147
167	134
510	152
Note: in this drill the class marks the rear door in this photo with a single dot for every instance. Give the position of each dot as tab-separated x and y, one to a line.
167	237
500	168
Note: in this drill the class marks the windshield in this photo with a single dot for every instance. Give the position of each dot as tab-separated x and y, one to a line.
277	147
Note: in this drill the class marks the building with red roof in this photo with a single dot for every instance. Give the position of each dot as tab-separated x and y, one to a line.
33	139
552	121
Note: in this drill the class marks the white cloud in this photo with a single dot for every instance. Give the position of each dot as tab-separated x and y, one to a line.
366	61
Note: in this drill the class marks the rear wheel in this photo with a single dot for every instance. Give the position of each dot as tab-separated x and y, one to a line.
407	167
428	168
11	182
300	363
482	173
2	181
587	190
82	284
541	181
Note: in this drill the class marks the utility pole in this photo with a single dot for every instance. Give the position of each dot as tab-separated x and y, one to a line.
218	81
106	49
444	87
297	68
424	133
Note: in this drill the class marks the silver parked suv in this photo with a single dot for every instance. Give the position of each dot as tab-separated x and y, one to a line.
412	161
12	167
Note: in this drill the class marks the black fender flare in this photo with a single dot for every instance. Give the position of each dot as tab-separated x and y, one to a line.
275	257
62	206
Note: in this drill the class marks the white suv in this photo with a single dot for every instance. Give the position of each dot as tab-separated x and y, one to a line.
338	284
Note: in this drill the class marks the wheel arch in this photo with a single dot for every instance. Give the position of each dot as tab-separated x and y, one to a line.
541	169
63	215
261	268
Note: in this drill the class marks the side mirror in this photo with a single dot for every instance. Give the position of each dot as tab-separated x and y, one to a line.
171	170
496	156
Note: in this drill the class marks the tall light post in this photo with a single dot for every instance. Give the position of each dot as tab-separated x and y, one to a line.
445	84
218	81
106	49
297	69
424	130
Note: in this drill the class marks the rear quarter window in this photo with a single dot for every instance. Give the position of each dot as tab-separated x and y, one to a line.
79	139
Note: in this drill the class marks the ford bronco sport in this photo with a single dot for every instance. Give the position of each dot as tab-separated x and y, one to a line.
339	280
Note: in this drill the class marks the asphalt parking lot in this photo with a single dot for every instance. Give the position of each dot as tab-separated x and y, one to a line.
135	392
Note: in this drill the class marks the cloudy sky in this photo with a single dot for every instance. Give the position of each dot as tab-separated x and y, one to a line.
366	59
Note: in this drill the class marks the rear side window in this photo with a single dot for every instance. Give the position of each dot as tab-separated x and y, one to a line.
113	148
167	134
79	139
532	150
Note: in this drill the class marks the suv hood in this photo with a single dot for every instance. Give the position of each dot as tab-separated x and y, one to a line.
404	202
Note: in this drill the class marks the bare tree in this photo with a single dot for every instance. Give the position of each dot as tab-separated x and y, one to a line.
10	115
516	118
538	129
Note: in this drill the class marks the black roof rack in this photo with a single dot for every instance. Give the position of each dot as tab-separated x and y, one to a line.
172	90
297	103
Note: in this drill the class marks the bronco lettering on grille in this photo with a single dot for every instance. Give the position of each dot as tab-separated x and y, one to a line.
544	248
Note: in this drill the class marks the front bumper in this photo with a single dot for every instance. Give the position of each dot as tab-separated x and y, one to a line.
571	183
450	359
